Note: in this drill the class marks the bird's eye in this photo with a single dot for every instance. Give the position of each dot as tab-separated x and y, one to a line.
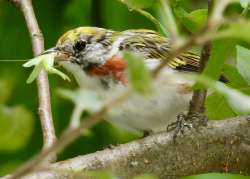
80	45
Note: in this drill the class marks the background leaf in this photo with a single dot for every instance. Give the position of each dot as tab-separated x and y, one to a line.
233	76
139	76
6	86
140	4
243	62
244	3
217	59
101	174
146	176
239	31
217	107
194	20
16	126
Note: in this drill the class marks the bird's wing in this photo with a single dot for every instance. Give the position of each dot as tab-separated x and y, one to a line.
151	45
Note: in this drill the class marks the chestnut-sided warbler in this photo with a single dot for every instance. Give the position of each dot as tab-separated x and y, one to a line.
95	57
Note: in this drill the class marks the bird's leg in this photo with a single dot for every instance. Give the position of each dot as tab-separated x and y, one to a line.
189	121
248	117
147	133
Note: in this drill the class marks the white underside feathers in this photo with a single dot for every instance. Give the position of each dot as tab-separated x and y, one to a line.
139	113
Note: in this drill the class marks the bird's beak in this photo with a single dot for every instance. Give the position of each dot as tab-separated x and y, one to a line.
51	50
60	55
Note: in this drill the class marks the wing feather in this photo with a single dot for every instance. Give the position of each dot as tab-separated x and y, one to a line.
151	45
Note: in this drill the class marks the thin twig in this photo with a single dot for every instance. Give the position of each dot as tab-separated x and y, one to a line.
44	109
76	116
197	103
69	135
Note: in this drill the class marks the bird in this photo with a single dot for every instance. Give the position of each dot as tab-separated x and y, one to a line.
94	56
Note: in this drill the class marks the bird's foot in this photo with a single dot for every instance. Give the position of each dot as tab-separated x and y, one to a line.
190	121
248	118
147	133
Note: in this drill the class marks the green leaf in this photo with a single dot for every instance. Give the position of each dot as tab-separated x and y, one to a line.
217	59
194	20
243	62
217	107
233	76
139	76
139	4
216	176
244	3
238	101
146	176
16	126
179	12
101	174
6	85
8	167
239	31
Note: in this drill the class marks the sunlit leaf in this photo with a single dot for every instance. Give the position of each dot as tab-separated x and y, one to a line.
244	3
139	76
16	126
243	62
217	176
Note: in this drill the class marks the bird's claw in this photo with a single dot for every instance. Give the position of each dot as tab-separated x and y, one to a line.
248	118
186	121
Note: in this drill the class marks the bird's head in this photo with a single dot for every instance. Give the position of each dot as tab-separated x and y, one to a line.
91	48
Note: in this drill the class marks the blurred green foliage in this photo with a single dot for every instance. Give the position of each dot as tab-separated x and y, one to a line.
18	101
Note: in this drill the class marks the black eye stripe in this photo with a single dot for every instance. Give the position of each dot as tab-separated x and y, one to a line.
80	45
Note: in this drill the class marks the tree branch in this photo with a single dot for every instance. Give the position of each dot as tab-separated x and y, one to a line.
215	148
42	81
197	103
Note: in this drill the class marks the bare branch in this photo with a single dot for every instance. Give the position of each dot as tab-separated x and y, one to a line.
197	103
42	81
217	147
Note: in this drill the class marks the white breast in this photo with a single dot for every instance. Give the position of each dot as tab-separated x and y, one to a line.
139	113
155	112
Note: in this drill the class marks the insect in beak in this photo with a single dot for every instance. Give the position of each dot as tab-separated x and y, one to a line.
60	55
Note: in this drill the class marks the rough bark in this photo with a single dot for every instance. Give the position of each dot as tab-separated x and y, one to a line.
222	146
